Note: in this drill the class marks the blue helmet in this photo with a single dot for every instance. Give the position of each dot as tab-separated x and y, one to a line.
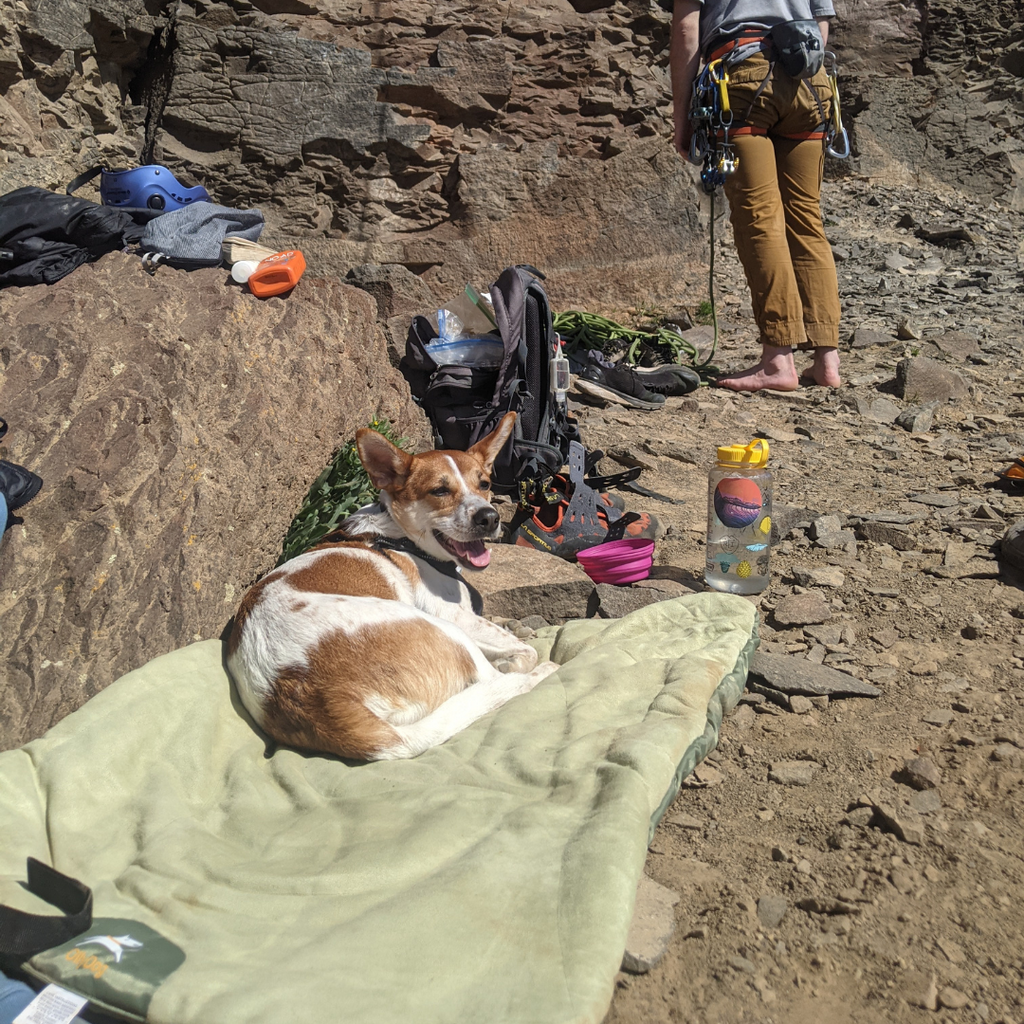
149	188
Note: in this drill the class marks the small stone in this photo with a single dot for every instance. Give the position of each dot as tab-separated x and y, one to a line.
940	717
903	880
1004	752
918	419
860	816
802	609
697	933
800	705
793	773
765	815
742	964
534	622
895	535
904	824
921	773
828	576
771	909
685	821
653	923
803	866
1011	547
919	379
743	717
879	410
823	525
927	801
865	338
920	990
906	330
942	499
798	676
951	999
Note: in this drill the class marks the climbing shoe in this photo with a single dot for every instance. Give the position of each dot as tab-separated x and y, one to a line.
668	380
616	383
546	530
17	484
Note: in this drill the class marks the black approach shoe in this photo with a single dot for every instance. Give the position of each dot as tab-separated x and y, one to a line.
619	384
668	380
17	484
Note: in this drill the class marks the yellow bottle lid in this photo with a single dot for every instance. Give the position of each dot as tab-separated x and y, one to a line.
751	456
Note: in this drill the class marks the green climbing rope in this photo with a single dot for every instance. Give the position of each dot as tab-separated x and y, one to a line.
582	331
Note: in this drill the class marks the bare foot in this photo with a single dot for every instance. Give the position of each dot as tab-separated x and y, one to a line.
824	371
776	370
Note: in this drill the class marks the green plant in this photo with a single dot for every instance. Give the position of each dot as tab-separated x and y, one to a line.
705	313
337	492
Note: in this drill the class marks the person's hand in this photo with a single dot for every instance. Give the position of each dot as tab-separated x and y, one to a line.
683	133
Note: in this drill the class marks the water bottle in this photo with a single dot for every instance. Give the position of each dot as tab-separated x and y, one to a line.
739	519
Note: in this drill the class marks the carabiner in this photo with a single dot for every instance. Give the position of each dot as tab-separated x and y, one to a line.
839	154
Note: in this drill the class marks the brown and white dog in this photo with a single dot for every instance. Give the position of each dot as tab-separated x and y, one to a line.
367	646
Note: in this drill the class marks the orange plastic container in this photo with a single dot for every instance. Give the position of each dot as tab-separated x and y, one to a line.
277	274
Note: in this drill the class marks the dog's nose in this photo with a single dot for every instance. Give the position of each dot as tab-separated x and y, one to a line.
486	519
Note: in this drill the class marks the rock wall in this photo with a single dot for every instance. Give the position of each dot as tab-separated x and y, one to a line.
452	138
177	423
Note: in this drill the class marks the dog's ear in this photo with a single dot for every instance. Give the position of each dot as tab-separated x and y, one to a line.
387	465
488	448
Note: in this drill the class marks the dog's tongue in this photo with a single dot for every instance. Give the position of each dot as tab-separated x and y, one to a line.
475	553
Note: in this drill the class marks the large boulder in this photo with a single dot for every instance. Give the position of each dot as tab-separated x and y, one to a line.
177	422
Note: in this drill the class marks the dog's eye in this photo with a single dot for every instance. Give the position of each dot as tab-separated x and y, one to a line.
440	492
485	484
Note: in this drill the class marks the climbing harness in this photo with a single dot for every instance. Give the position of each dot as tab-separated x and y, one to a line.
712	118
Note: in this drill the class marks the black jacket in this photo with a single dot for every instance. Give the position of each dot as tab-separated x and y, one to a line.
50	234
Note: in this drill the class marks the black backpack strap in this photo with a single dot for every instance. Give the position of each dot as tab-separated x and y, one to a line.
22	935
83	178
508	297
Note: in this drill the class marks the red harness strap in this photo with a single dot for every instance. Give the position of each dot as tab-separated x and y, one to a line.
728	47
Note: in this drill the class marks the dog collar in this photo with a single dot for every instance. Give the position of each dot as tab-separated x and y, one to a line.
408	547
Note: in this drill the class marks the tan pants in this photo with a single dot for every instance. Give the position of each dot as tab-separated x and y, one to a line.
775	206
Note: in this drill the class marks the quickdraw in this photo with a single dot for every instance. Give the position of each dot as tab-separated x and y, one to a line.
711	116
837	140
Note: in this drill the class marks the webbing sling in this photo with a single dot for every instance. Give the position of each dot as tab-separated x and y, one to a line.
22	935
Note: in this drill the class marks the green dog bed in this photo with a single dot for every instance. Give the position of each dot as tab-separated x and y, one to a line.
489	881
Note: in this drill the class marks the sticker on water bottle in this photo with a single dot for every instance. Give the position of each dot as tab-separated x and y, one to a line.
738	502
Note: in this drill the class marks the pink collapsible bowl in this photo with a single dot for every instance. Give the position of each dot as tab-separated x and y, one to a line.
618	561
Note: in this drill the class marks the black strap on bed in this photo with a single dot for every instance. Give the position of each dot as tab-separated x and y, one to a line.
22	935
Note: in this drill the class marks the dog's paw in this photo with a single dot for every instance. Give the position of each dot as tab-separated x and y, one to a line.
522	661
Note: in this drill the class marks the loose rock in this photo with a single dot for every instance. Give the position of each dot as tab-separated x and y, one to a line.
798	676
801	609
793	773
653	923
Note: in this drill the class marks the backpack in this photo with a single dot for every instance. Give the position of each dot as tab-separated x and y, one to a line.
464	403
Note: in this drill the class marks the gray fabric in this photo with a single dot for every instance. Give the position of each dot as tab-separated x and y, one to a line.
721	20
195	232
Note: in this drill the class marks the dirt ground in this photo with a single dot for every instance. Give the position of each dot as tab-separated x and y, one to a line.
876	928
